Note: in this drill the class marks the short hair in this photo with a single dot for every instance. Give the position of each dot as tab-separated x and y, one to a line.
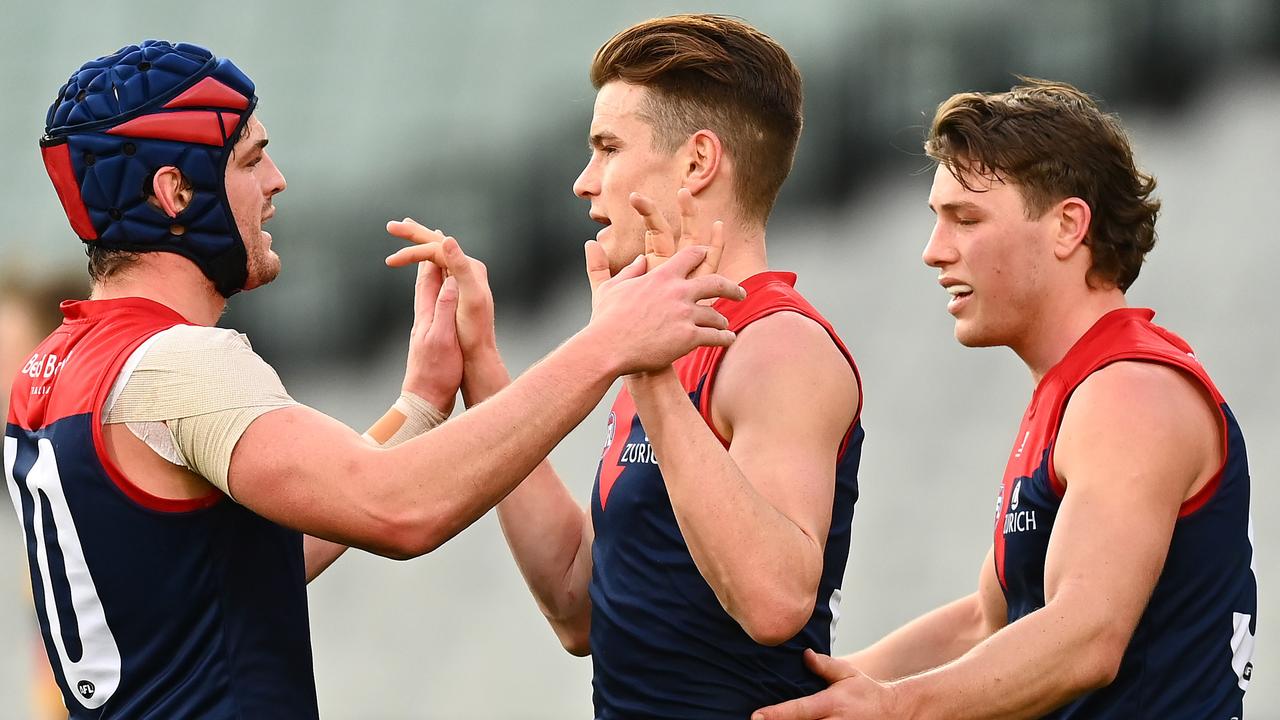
1054	142
717	73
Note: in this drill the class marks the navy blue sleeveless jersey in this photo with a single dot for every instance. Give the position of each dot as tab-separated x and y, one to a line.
150	608
661	644
1189	658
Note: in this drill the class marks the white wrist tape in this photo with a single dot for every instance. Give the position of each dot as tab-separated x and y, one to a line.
419	417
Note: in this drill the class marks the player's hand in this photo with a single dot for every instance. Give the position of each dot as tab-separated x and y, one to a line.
659	241
652	319
433	371
475	299
852	695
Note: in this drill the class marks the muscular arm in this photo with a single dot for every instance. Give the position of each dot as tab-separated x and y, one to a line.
549	533
755	517
433	373
1137	440
303	469
939	636
318	553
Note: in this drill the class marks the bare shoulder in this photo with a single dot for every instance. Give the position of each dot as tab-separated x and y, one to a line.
785	360
1140	418
1169	398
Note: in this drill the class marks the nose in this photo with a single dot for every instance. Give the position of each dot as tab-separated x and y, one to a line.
588	183
938	251
273	182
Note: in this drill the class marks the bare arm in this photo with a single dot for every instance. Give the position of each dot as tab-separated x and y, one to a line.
549	533
1134	436
432	375
305	470
755	517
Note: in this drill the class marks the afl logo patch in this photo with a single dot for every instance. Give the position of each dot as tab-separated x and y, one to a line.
86	689
609	429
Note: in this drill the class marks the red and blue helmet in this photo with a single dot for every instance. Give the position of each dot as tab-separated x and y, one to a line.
124	116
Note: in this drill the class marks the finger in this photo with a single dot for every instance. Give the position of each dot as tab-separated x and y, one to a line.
827	667
472	280
426	289
413	254
812	707
714	250
682	263
716	286
710	337
704	316
444	323
458	264
413	231
688	217
658	239
597	264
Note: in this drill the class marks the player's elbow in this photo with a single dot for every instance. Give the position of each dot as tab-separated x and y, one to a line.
1101	665
407	533
576	640
773	621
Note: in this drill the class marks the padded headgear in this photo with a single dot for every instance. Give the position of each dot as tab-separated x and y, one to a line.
121	118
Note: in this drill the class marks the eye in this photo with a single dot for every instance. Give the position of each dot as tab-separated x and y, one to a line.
966	221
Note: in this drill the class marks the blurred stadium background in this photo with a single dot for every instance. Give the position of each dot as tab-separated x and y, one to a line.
472	116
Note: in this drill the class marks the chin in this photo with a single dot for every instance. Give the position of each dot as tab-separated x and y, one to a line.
975	337
263	270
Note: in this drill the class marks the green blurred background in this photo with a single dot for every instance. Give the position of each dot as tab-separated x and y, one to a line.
472	117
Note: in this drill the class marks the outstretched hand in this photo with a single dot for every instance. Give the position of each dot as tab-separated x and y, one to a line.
433	370
475	299
852	695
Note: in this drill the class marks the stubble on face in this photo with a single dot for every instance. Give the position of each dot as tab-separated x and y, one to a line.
251	203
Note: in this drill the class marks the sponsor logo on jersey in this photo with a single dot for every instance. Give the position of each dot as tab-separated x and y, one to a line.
638	453
1016	521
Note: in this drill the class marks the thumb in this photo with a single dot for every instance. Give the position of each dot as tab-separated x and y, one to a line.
426	288
445	320
635	269
457	261
597	264
827	667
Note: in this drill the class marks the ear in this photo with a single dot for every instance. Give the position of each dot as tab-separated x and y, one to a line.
1073	217
705	155
171	189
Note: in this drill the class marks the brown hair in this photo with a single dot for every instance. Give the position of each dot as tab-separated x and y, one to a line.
1054	142
716	73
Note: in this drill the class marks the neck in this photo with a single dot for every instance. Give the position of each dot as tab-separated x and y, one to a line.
169	279
1063	325
744	252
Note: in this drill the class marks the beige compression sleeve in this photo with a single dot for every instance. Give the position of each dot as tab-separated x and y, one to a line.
206	385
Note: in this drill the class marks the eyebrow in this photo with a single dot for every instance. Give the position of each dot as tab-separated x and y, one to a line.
955	206
599	139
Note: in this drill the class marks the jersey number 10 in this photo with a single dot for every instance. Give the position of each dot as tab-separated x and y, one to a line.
94	676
